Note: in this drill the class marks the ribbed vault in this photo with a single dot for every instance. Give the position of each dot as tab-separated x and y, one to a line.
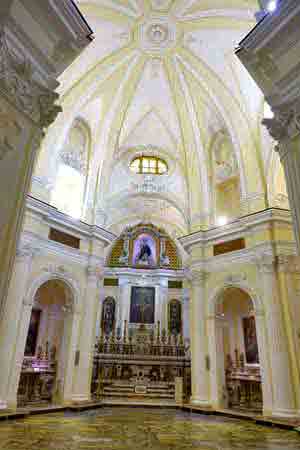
162	74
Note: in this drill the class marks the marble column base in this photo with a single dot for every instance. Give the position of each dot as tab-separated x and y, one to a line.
288	413
3	404
78	398
196	401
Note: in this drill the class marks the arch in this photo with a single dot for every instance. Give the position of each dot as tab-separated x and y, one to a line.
216	296
216	345
70	282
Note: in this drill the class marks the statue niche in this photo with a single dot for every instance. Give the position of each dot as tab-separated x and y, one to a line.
144	250
108	315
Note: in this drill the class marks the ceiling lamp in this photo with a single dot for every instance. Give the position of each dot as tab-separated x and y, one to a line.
272	5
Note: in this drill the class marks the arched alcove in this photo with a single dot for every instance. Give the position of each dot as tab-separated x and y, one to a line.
236	348
48	344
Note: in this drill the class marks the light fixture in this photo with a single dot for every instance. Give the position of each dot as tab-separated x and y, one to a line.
272	5
222	220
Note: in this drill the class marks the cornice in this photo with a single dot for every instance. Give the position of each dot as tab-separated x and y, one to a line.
239	228
253	255
54	218
151	273
46	247
269	26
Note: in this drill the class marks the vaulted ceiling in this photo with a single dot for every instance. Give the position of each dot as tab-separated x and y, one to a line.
163	74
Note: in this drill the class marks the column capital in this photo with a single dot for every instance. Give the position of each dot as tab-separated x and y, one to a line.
17	81
94	273
198	277
285	124
266	263
288	263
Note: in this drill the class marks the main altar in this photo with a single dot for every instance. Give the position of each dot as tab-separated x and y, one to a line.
142	350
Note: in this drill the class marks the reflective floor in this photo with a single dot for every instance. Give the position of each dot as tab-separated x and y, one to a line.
136	428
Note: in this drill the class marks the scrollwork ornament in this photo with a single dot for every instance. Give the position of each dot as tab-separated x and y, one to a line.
16	80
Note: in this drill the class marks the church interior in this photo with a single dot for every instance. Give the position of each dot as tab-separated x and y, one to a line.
149	224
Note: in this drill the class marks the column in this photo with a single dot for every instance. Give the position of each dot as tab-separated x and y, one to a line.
199	347
161	304
186	313
282	383
14	317
83	372
124	299
28	82
285	268
215	327
20	136
265	363
285	128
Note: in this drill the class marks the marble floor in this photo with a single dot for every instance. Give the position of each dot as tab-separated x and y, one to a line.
139	429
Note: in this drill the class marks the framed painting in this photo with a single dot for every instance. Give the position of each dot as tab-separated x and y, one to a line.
144	251
250	339
142	305
33	332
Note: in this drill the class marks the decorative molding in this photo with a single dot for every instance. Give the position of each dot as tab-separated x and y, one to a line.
285	123
54	218
18	83
235	278
240	227
157	34
26	251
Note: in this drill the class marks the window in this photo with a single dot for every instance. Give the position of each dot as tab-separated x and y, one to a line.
69	190
149	164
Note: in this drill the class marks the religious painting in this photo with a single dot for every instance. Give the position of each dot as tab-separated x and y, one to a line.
250	339
33	331
108	315
144	250
175	320
142	305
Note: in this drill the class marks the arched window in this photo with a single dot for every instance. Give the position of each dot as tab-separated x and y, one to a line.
68	194
149	164
108	315
175	317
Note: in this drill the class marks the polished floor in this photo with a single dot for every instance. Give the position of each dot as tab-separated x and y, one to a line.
139	429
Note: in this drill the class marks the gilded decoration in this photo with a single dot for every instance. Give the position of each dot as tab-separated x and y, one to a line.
144	246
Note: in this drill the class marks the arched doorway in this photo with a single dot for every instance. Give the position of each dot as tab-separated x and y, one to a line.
48	345
236	351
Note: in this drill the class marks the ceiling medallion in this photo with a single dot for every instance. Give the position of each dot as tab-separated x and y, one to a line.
157	34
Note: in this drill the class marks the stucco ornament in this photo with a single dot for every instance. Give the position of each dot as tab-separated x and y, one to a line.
17	81
157	34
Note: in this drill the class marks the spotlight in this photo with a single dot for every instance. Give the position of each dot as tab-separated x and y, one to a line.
222	220
272	5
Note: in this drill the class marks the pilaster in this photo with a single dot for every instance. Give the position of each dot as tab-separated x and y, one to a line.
199	345
282	382
83	372
13	321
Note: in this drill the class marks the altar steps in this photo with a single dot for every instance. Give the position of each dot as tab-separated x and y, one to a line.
133	391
